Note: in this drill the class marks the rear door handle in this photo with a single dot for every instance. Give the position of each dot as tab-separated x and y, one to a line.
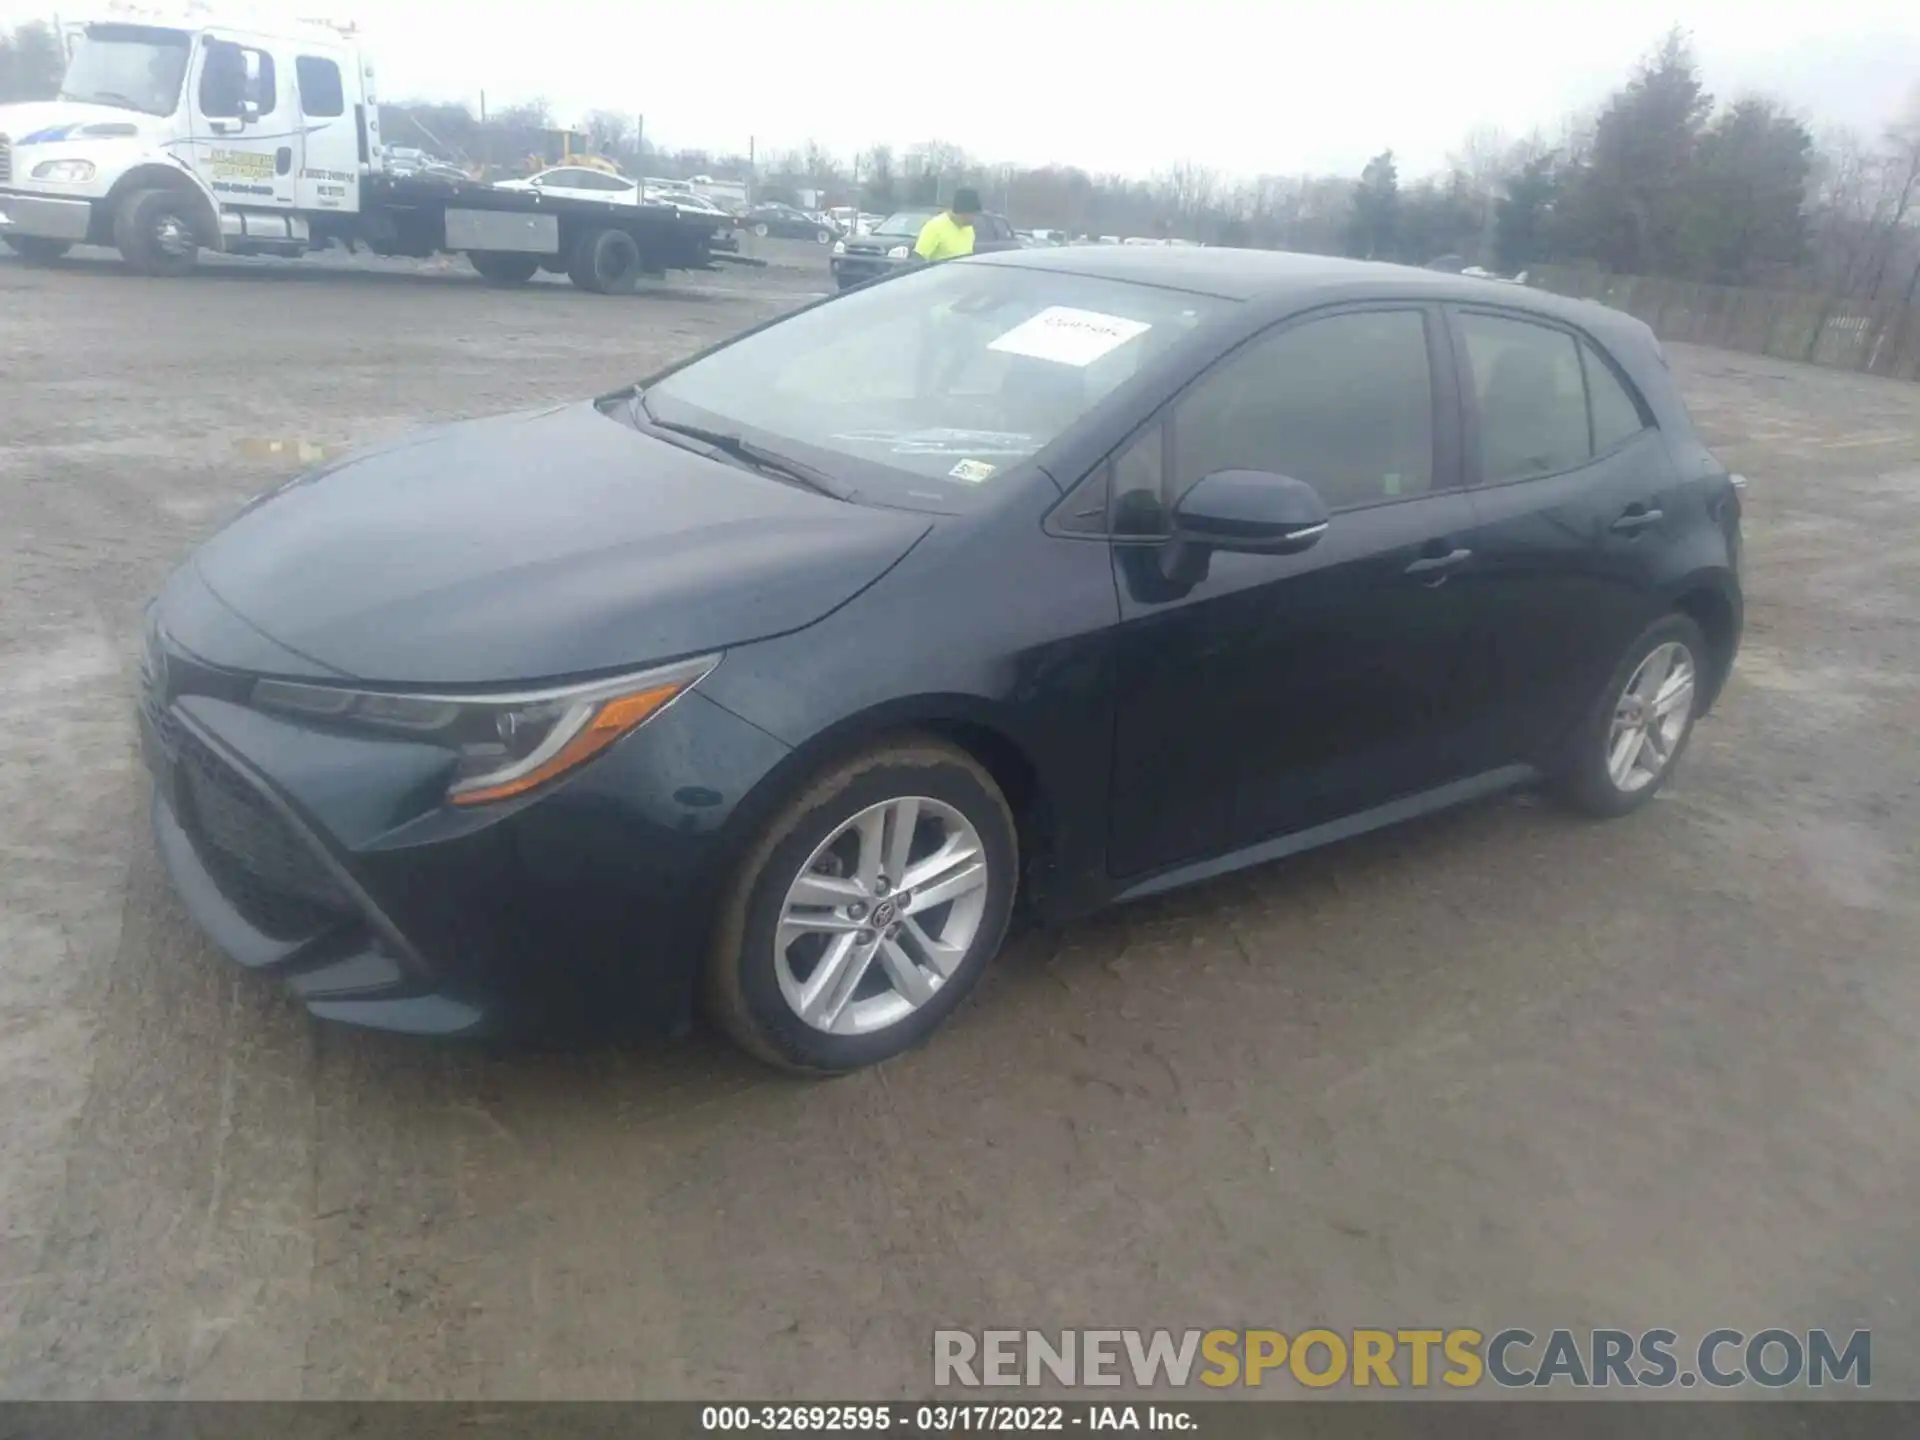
1438	566
1635	521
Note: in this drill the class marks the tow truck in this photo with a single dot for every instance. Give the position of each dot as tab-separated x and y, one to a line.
182	132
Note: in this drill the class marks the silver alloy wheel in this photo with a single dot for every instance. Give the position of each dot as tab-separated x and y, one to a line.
903	883
1650	718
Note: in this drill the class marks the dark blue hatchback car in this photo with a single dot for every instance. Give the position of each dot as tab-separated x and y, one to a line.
1064	576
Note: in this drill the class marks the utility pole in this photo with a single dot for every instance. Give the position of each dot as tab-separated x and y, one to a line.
753	171
640	142
486	141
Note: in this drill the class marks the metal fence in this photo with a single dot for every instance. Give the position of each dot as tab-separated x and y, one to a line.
1881	339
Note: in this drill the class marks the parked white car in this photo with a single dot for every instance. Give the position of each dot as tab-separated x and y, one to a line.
578	182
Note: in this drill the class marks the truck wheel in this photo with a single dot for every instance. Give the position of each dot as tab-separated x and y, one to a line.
607	262
502	269
154	231
37	249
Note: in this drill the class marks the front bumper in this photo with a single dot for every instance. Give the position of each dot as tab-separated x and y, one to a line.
328	862
44	217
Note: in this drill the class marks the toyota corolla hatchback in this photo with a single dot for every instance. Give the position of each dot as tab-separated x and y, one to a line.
1053	577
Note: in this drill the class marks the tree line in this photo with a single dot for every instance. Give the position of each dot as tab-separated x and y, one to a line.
1658	180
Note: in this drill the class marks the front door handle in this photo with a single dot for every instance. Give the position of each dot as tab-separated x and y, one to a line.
1636	520
1437	567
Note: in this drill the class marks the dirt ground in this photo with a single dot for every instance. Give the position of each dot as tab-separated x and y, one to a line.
1501	1068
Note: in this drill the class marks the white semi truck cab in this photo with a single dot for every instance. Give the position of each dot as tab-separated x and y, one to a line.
177	132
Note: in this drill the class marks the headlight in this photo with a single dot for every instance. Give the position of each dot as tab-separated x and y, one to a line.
506	744
839	247
898	252
67	172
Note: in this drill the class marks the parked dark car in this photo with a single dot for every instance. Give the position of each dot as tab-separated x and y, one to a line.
888	248
789	224
1069	576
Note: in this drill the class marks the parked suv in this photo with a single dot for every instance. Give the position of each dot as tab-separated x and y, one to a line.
889	247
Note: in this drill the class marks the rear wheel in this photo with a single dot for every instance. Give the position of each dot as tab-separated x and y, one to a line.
154	232
1632	738
498	268
606	261
866	911
761	229
37	249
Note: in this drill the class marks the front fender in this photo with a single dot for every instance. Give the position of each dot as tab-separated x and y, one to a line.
160	169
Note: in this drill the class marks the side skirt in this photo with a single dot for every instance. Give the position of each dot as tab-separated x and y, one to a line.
1444	797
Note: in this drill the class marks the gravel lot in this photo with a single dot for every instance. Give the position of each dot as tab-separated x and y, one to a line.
1500	1068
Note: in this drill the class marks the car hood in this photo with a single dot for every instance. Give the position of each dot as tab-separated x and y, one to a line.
537	546
876	244
45	122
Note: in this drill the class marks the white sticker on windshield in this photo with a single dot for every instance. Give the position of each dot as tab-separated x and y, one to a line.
1069	337
972	471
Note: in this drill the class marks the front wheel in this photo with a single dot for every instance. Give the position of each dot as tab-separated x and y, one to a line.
761	230
154	232
1627	747
823	237
37	249
866	911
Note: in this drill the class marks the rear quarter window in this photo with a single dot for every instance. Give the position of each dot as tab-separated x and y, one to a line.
1617	415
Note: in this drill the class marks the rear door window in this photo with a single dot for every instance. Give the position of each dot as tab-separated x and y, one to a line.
1531	396
321	95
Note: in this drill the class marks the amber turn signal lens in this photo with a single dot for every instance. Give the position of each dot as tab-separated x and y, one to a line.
608	723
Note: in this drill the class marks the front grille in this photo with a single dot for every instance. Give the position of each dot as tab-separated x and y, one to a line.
232	817
6	161
263	869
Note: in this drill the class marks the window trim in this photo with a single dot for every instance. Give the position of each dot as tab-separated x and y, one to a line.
1449	457
1473	455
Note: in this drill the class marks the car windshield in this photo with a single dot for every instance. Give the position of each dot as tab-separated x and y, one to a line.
906	222
130	67
954	373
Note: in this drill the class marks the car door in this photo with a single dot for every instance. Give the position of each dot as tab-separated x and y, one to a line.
1282	691
330	170
246	141
1571	486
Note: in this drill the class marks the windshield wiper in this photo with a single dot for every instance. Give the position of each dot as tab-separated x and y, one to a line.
107	97
747	451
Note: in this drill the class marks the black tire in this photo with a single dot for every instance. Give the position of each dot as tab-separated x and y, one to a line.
154	230
761	229
742	982
37	249
606	262
1583	780
499	268
823	237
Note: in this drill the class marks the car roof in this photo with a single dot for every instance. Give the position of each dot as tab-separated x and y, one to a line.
1297	278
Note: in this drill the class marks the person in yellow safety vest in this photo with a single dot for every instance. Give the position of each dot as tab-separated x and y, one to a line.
950	233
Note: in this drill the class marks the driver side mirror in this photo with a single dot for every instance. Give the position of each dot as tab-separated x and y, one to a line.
249	112
1251	512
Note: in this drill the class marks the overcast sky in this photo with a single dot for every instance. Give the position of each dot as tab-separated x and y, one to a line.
1119	86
